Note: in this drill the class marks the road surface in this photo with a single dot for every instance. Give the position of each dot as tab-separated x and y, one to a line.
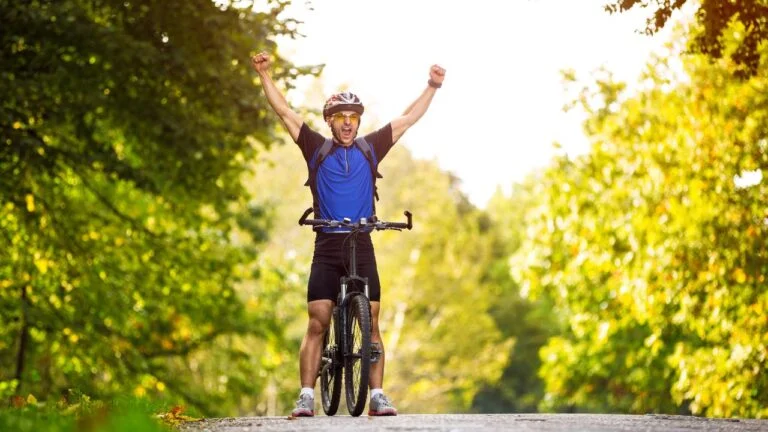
484	422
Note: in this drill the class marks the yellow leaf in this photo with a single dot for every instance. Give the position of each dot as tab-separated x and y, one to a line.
41	264
30	203
31	400
739	275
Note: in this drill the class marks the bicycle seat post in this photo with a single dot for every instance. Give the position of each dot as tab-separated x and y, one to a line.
353	254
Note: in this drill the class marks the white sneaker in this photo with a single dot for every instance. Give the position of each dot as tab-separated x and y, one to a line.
305	406
381	406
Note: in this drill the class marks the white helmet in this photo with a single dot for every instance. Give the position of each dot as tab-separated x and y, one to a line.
345	101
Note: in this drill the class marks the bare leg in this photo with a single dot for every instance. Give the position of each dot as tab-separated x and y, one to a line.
311	347
376	378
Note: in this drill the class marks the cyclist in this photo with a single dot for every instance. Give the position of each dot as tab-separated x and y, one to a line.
344	188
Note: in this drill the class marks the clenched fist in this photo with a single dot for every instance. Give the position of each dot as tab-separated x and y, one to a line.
261	62
437	74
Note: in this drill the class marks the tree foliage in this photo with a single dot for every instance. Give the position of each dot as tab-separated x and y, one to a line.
715	18
441	340
653	250
123	131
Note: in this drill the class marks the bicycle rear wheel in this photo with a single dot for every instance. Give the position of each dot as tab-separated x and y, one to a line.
357	363
330	370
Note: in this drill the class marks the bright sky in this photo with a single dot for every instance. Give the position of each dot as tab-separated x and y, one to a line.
500	108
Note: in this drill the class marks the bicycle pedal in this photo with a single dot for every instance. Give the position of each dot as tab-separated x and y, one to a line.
375	352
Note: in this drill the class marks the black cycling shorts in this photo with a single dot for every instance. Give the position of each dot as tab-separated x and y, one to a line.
331	261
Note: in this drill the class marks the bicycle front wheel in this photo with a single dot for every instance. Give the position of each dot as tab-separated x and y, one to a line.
330	370
357	362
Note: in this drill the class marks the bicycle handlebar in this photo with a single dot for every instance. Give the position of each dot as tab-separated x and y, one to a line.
362	223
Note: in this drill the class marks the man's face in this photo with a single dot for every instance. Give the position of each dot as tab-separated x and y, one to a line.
344	126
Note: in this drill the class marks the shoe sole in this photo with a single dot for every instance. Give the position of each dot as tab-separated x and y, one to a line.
303	414
382	413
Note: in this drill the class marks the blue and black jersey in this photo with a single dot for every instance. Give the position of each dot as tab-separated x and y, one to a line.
344	185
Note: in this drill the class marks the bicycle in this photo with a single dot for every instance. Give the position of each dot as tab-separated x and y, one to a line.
347	342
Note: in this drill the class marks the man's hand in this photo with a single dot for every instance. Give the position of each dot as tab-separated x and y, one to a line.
261	62
290	119
417	109
437	74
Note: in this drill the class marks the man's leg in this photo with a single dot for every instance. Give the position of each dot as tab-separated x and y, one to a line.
319	312
380	405
376	378
311	347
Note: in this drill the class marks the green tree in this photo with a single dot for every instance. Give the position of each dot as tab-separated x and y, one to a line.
442	342
715	18
278	280
529	322
653	251
123	131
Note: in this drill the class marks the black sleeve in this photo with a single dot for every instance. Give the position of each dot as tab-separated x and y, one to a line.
309	141
381	141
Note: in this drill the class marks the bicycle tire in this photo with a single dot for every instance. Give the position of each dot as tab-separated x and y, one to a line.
357	362
330	369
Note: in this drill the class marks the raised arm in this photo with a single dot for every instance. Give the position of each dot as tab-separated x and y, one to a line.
417	109
290	119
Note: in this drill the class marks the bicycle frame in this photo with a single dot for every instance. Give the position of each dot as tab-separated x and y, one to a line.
353	276
345	297
356	228
344	318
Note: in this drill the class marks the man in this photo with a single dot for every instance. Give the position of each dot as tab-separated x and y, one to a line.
343	187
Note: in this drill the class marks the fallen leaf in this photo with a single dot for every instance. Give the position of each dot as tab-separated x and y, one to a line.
18	401
174	416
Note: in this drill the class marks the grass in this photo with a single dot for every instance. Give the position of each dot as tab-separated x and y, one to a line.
84	415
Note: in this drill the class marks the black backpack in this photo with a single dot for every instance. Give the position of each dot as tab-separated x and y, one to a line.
325	150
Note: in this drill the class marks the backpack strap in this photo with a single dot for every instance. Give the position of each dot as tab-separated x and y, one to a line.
312	166
315	162
363	145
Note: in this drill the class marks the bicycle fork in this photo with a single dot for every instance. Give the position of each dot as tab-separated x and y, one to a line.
344	318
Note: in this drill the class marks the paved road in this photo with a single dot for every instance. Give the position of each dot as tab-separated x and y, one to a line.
474	422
